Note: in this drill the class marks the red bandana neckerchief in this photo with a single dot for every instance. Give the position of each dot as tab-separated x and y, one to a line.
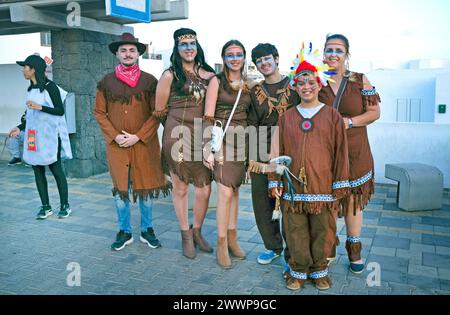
128	75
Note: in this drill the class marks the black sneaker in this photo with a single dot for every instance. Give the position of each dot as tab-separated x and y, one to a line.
148	237
122	239
65	211
44	212
15	161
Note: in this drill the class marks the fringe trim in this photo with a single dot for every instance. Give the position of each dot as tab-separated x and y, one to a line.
342	192
161	115
314	207
187	178
361	197
371	100
124	99
145	193
259	168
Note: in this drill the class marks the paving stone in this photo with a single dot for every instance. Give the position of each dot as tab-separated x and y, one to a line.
420	270
436	240
433	260
391	242
423	282
395	223
382	251
36	255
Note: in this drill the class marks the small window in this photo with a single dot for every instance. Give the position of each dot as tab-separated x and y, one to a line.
46	39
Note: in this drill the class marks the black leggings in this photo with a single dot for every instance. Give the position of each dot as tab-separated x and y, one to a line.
60	177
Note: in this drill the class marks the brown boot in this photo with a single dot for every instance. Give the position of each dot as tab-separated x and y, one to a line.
353	250
200	241
233	245
223	258
323	283
187	242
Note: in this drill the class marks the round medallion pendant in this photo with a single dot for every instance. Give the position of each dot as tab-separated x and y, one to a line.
306	125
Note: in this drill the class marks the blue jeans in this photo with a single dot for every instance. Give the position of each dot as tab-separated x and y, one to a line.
14	145
123	213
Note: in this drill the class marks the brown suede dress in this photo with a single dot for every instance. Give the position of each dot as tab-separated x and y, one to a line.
354	102
183	152
230	163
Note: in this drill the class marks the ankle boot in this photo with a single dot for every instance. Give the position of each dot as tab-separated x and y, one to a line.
233	245
223	258
353	250
187	243
200	241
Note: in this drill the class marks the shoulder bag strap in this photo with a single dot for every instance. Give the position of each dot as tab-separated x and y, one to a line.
232	112
337	99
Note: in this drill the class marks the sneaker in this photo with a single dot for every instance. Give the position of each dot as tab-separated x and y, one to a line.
44	212
356	268
15	161
64	212
267	257
148	237
122	239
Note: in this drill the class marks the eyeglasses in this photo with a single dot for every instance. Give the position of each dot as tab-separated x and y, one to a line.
259	61
337	52
187	46
234	57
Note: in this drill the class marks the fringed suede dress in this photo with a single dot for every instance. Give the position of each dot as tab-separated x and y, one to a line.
230	163
183	136
354	102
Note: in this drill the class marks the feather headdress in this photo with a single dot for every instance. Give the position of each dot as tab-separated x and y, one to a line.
309	61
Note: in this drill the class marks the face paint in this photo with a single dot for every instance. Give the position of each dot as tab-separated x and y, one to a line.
337	52
259	61
234	57
187	46
305	79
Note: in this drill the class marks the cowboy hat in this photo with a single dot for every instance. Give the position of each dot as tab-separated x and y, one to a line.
127	38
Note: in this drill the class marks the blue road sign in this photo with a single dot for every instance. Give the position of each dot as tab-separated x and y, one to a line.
138	10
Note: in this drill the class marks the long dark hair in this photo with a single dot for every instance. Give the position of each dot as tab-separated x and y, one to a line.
224	76
177	62
41	79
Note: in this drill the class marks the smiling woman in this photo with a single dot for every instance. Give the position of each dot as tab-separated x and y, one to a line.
227	101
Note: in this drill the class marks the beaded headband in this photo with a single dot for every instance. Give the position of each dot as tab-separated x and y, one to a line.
187	36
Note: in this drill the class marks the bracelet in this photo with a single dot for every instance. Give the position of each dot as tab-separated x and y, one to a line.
350	123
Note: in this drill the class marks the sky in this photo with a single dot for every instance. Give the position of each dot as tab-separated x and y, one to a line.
383	32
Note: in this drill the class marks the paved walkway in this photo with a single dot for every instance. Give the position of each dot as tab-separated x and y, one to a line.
411	249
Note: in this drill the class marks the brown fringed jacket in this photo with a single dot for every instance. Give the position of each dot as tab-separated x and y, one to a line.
119	107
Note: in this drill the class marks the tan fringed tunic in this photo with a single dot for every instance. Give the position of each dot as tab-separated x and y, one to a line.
354	102
184	155
119	107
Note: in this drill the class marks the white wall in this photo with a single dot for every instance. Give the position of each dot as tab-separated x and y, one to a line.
13	96
18	47
426	143
406	84
442	97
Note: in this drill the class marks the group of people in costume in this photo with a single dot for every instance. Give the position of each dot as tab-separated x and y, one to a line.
313	159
